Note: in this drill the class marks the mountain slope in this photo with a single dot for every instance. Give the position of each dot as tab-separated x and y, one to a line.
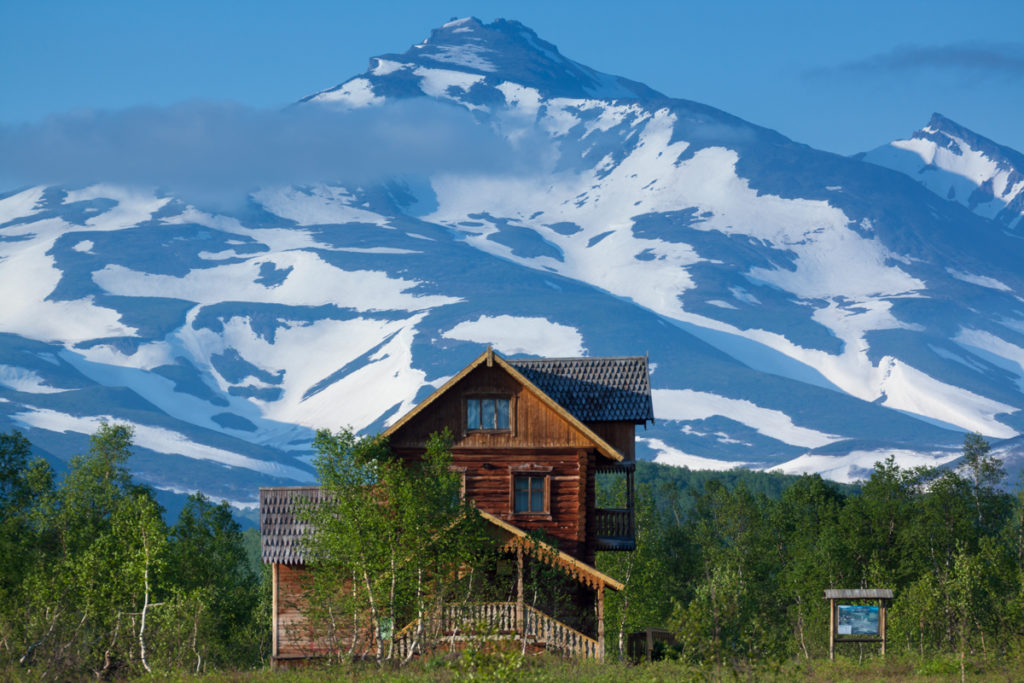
802	311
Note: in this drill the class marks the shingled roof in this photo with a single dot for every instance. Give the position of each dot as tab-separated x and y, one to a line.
281	529
594	389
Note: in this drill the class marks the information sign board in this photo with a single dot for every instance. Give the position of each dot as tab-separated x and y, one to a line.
857	620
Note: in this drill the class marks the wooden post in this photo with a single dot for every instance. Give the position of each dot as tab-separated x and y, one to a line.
273	612
520	600
600	622
881	623
832	629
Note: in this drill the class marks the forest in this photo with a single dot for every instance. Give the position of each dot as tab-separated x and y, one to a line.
95	582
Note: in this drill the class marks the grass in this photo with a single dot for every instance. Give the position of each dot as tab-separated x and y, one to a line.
498	666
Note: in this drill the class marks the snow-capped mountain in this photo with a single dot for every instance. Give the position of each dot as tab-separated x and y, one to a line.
962	166
803	311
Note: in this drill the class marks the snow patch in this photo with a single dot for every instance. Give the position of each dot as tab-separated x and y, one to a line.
23	379
470	56
356	94
513	334
667	455
685	404
858	465
436	82
980	280
160	440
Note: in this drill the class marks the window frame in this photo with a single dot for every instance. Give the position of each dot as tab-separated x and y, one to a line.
461	471
511	429
530	471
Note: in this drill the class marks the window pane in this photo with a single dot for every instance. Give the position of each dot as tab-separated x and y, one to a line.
502	406
487	413
472	413
522	495
536	494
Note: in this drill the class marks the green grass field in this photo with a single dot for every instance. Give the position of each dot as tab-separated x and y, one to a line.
511	667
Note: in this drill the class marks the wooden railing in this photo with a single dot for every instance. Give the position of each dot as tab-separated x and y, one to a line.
497	620
614	523
557	636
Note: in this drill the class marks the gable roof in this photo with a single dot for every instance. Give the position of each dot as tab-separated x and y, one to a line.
491	358
594	389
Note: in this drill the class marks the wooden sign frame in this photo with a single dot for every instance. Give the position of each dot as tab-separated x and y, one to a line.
834	595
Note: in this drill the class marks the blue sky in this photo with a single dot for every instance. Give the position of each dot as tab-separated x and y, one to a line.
842	76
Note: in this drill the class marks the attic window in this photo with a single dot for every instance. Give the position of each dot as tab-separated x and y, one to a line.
487	414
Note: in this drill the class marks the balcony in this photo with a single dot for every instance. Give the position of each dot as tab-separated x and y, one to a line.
614	529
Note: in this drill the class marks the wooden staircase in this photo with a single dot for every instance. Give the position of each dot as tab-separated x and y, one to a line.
497	621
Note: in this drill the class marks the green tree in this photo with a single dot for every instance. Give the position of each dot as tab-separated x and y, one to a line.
985	473
393	541
207	564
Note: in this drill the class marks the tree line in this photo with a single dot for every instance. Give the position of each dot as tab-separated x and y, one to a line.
95	583
737	575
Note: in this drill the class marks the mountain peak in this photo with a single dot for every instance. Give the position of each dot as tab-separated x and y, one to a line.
957	164
941	124
501	51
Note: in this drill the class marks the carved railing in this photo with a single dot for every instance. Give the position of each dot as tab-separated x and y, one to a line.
614	523
497	620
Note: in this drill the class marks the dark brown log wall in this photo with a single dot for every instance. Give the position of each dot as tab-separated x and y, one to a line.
489	483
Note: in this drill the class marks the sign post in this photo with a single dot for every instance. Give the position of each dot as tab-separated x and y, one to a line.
856	623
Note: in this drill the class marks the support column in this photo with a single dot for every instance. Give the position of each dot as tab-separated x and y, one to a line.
273	611
520	602
600	622
832	629
630	504
881	623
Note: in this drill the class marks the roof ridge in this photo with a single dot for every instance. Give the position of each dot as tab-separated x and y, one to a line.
574	358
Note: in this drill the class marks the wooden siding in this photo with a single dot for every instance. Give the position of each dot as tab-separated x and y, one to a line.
293	635
534	424
620	435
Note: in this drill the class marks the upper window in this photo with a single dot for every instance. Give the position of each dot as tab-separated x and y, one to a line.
487	413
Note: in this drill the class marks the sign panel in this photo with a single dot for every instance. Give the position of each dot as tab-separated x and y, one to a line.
858	620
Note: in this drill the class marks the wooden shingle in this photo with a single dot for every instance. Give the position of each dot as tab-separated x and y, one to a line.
281	528
599	389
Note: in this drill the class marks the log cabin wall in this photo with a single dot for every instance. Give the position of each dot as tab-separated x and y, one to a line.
488	480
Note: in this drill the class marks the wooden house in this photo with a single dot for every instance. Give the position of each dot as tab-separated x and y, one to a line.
531	437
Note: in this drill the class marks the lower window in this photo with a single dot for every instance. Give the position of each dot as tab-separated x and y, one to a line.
529	493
